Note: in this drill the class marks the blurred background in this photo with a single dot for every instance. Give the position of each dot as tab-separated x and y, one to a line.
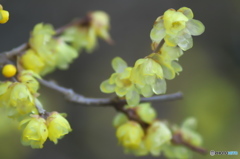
209	81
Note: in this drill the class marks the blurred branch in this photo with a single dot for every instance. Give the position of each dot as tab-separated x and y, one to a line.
178	139
70	95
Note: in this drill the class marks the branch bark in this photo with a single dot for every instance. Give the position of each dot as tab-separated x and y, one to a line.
71	96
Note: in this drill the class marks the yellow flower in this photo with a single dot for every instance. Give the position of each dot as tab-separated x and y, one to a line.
158	134
3	89
35	132
81	37
31	61
120	82
176	28
174	21
4	15
18	100
147	74
130	135
167	58
85	35
28	78
101	25
58	126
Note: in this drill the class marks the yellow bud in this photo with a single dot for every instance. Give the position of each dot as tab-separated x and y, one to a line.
4	15
130	135
9	70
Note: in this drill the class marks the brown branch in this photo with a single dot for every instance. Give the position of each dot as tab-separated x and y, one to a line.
71	96
178	139
160	44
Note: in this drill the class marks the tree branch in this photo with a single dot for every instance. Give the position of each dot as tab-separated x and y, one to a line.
71	96
178	139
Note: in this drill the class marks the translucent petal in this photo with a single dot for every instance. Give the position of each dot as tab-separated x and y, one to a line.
149	79
170	40
121	91
158	32
132	98
195	27
146	91
118	64
187	12
151	67
168	73
126	73
185	41
176	66
106	87
113	78
160	86
172	53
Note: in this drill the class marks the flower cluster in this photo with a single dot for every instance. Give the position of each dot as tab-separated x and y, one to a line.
145	78
148	75
48	51
20	100
176	28
138	140
4	15
156	138
19	97
84	36
36	129
187	133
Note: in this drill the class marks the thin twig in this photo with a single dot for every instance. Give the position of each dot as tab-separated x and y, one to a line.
77	98
160	44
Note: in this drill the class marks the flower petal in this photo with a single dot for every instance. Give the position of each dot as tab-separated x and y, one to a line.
186	11
185	41
132	98
118	64
158	32
159	87
106	87
146	91
195	27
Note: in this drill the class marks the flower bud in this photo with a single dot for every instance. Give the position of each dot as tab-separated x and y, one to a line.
119	120
4	15
130	135
146	112
9	70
